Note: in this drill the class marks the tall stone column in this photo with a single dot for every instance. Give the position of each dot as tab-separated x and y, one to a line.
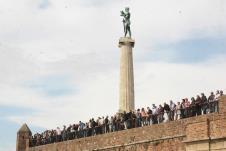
126	101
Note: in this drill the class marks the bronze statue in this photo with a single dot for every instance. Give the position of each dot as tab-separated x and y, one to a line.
126	21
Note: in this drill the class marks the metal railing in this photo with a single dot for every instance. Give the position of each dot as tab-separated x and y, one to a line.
133	122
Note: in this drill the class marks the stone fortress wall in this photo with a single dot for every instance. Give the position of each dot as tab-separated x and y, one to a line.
201	133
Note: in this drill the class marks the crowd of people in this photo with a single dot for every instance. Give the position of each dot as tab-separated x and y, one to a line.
141	117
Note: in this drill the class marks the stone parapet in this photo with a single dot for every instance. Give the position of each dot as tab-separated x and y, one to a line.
201	133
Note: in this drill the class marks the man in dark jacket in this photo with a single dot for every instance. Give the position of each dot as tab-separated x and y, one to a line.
212	102
204	103
125	118
149	118
167	110
198	103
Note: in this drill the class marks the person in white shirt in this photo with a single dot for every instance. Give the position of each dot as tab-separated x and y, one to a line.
58	137
217	94
101	124
178	111
172	110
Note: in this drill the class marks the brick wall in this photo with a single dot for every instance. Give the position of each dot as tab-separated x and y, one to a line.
195	133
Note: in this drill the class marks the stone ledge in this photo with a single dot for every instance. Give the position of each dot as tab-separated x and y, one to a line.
198	140
126	41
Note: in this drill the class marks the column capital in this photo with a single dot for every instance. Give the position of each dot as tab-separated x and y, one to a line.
126	41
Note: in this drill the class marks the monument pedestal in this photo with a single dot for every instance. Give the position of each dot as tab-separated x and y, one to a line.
126	101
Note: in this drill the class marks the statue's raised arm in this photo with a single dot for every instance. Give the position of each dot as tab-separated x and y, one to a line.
126	21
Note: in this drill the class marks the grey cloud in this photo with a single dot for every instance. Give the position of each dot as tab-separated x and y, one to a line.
14	67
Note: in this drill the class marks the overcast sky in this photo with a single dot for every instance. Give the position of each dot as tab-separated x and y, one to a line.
59	59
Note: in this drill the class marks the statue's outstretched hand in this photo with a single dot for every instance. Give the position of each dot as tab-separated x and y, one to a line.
122	13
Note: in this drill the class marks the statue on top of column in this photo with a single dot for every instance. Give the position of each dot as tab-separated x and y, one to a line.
126	21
